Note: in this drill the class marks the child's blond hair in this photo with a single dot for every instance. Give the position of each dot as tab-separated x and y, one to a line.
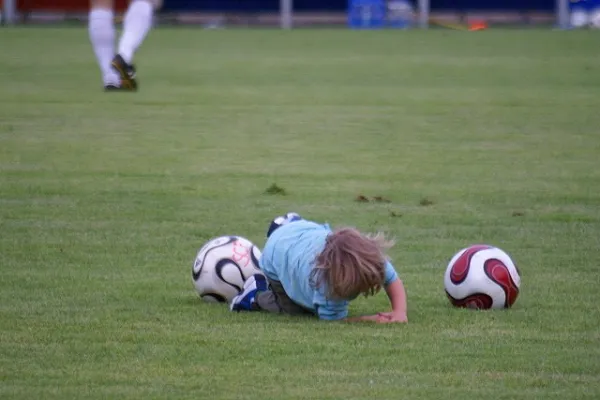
351	263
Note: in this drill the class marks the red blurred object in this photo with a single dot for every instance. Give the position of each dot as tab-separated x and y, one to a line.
61	5
478	25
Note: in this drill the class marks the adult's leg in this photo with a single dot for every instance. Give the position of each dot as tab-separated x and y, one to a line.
101	30
136	25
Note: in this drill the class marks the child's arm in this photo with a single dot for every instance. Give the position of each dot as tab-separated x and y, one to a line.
397	295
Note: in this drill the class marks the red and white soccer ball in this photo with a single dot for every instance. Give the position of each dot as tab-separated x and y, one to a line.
482	277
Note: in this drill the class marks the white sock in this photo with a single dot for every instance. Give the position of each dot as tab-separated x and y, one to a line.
136	25
102	35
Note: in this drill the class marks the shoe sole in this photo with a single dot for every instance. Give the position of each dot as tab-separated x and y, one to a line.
233	303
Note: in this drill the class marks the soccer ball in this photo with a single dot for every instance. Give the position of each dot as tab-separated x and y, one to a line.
482	277
222	266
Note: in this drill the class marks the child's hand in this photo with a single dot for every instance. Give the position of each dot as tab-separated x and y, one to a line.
393	316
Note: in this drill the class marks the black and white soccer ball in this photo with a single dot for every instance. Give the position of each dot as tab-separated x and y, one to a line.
222	266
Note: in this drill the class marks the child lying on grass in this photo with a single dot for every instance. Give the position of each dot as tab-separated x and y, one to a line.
311	269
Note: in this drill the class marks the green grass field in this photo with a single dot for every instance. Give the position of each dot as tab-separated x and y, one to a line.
105	199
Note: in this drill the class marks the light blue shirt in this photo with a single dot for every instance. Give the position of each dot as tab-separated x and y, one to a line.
288	257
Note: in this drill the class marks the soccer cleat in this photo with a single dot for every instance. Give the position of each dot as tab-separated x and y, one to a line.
111	88
117	88
126	72
283	220
247	299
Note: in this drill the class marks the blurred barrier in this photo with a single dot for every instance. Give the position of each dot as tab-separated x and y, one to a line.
310	12
299	5
375	14
60	5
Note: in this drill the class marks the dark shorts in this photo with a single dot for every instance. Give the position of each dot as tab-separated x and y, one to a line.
276	300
